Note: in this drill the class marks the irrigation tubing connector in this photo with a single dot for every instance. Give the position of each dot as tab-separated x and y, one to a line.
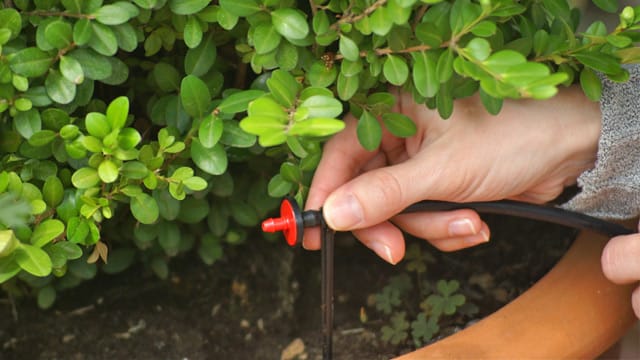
293	221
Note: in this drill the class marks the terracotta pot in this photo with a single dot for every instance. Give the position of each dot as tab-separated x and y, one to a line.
572	312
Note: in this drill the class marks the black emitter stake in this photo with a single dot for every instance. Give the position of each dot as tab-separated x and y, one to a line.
292	223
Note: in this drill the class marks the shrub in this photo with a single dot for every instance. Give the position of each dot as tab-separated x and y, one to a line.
138	130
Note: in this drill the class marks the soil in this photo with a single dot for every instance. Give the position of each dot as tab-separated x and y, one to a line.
258	301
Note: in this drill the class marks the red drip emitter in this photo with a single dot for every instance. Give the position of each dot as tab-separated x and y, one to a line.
292	221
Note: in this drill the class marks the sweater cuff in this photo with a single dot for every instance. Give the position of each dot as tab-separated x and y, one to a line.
611	190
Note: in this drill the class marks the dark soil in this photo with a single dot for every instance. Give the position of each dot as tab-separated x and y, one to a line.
258	300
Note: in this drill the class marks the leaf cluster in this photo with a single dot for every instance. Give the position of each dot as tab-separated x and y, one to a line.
140	130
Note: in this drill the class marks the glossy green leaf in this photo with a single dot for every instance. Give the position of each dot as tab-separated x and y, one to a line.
369	131
619	41
348	48
10	19
210	131
82	32
212	161
59	34
399	124
266	38
491	104
116	13
266	107
240	8
187	7
128	138
479	49
484	28
53	191
46	231
316	127
71	69
199	60
381	21
347	86
396	70
85	178
28	123
126	36
260	125
144	208
320	75
192	32
194	95
290	23
30	62
117	112
97	125
33	260
591	84
103	39
108	171
425	76
284	87
239	101
59	88
322	106
42	137
599	61
444	66
94	65
610	6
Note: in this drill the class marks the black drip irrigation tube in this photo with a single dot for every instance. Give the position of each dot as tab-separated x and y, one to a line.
292	223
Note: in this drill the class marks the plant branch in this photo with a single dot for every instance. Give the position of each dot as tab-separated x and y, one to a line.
352	18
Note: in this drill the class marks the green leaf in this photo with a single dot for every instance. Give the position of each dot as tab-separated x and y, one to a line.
42	137
479	49
46	231
321	76
108	171
348	48
199	60
369	131
134	170
398	124
322	106
97	124
82	32
144	208
59	88
28	123
59	34
444	66
117	13
30	62
278	186
284	87
491	104
85	178
212	161
71	69
266	107
192	32
210	131
166	77
10	19
316	127
8	243
94	65
484	28
260	125
599	61
103	40
195	96
33	260
347	86
119	260
610	6
117	112
46	297
591	84
425	76
619	41
396	70
195	183
239	101
240	8
266	38
503	59
290	23
52	191
187	7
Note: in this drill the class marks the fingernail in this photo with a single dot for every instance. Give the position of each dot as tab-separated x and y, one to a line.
342	213
480	238
383	251
461	227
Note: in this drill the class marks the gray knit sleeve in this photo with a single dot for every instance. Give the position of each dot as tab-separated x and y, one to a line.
611	190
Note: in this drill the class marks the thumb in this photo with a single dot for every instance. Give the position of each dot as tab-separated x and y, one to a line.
376	196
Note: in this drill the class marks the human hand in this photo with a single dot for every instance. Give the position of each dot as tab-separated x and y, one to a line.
529	152
621	264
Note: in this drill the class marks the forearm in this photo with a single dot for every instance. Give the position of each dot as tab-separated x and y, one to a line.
612	188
